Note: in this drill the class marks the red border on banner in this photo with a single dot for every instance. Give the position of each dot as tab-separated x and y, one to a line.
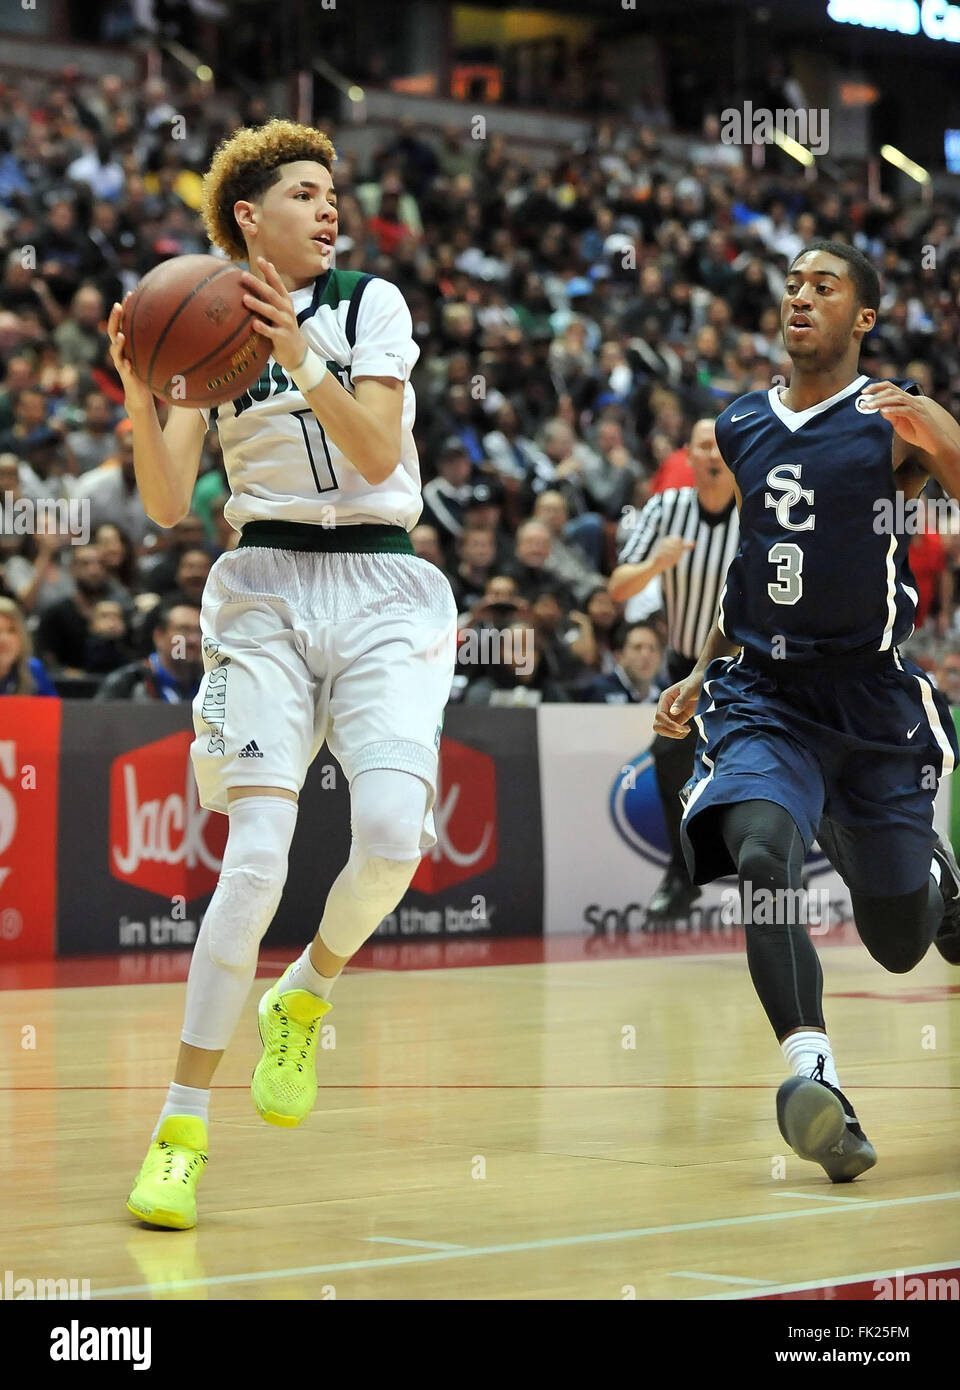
29	796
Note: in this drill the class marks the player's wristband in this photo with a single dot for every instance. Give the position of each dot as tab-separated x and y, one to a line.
310	372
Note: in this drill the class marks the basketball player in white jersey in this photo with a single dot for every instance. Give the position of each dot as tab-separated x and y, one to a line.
321	625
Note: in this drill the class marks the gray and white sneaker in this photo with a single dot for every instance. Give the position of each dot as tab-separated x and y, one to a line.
947	939
819	1124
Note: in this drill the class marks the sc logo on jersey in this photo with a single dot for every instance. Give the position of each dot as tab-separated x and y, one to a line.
784	479
638	816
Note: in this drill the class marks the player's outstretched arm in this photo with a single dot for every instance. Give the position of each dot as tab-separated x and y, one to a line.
165	461
366	428
677	704
931	432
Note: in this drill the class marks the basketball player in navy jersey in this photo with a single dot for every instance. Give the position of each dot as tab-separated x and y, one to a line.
811	724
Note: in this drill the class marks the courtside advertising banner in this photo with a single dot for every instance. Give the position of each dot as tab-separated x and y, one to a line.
605	842
139	858
545	820
29	753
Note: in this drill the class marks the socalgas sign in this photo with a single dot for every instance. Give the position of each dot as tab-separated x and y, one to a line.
936	19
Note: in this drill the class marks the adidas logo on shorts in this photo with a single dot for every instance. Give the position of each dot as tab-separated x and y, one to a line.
251	751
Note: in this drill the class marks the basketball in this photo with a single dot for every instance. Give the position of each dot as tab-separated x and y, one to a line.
189	335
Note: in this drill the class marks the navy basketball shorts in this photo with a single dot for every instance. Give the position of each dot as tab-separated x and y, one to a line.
858	752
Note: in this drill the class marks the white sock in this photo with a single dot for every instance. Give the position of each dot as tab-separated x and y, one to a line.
184	1100
944	882
802	1051
302	974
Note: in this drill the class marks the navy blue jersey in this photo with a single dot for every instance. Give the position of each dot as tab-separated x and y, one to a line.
815	575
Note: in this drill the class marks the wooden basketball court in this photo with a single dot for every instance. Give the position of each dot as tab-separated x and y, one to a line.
490	1132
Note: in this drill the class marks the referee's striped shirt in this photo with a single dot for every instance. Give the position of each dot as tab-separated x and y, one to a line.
691	590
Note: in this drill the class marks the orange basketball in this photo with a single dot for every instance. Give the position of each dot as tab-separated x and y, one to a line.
189	335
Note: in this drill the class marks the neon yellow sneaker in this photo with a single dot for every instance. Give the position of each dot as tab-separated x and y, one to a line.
284	1085
165	1193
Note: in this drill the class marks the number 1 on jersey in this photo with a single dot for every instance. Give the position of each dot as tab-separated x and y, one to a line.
315	442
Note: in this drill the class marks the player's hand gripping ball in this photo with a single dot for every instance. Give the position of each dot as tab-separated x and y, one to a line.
189	336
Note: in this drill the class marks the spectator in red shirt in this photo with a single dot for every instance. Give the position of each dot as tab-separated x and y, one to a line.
386	226
928	564
676	471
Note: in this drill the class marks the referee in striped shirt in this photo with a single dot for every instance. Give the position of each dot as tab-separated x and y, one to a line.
688	535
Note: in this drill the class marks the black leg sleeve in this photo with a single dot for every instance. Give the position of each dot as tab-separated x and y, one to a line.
673	764
767	848
898	931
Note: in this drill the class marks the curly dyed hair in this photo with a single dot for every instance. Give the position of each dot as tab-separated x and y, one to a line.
245	165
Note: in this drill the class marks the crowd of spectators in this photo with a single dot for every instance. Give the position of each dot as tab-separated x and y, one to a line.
574	322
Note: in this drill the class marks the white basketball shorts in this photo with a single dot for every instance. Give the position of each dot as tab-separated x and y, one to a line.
300	648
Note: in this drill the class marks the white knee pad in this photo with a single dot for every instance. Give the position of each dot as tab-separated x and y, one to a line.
368	888
387	811
387	879
240	912
251	881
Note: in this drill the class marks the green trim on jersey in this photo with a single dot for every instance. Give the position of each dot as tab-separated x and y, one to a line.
362	537
341	286
337	288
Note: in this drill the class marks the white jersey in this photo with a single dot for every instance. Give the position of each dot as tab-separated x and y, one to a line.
279	462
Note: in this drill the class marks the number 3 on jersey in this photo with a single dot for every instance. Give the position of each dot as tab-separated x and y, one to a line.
788	558
315	442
